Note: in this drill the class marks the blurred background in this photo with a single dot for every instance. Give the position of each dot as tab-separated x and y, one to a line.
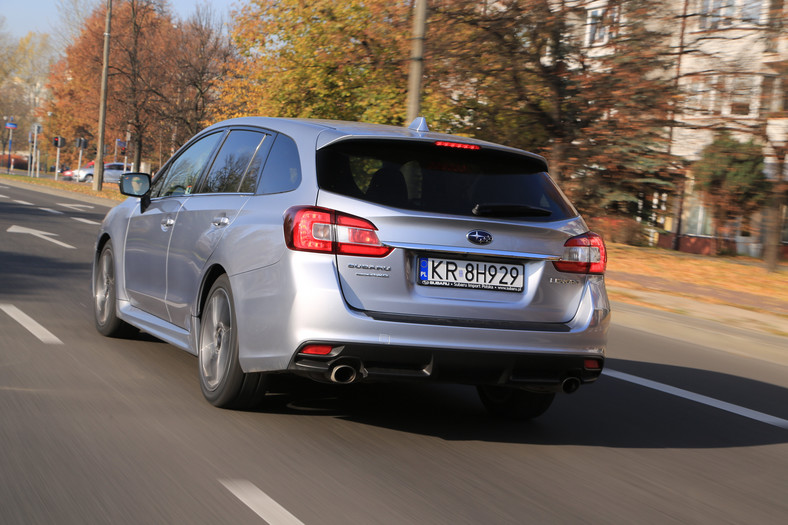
666	121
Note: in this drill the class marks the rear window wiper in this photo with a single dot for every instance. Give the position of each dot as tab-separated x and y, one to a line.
510	210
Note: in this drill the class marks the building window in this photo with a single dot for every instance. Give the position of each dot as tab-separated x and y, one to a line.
715	14
600	23
769	101
718	14
703	96
742	90
751	11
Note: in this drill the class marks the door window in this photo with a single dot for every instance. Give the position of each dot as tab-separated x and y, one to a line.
182	174
238	160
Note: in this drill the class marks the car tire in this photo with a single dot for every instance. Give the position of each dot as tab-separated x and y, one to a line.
222	381
104	294
514	403
89	178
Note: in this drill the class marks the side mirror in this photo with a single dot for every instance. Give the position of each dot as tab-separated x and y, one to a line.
134	184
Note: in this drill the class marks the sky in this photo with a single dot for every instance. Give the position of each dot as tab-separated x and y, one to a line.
23	16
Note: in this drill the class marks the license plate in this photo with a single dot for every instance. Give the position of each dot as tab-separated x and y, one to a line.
471	274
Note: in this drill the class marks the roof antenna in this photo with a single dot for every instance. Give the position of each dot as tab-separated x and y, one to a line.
419	124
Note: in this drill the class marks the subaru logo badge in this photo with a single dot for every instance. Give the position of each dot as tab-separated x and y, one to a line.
479	237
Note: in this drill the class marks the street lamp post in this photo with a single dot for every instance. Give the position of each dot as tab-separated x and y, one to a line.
416	60
11	125
35	150
98	171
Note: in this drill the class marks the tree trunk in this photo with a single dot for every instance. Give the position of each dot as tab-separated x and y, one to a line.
772	242
557	160
137	152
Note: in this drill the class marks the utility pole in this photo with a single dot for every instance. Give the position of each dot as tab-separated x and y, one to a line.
36	157
98	170
11	126
416	60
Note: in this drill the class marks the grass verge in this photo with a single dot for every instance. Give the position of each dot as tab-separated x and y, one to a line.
108	191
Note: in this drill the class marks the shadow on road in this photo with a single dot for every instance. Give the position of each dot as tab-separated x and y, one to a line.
610	413
25	275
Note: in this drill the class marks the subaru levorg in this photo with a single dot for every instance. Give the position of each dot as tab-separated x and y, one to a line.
349	252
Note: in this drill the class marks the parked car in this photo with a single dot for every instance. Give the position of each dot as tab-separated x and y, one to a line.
112	172
66	174
349	252
82	174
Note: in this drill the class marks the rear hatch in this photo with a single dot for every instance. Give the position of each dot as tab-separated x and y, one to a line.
473	232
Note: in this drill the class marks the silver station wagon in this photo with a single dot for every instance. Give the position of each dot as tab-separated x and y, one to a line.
349	252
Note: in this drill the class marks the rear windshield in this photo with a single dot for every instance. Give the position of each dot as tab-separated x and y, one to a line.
427	177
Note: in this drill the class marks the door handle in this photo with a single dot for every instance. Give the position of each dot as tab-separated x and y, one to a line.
220	221
166	223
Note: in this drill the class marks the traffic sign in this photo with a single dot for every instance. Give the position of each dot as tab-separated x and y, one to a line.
11	125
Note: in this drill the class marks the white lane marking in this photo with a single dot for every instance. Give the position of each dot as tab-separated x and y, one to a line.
78	207
3	196
50	210
30	324
23	202
260	502
698	398
39	234
86	221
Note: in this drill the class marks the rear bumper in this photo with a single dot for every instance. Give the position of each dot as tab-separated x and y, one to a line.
275	322
532	371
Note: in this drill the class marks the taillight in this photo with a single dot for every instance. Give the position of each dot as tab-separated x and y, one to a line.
584	253
322	230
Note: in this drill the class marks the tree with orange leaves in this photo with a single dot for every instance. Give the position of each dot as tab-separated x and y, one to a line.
325	59
162	78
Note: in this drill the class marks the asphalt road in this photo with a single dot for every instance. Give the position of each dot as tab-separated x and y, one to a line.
96	430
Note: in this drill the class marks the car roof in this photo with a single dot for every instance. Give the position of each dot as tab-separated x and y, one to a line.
323	132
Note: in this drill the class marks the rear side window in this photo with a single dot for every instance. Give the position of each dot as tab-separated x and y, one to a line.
235	161
282	170
423	176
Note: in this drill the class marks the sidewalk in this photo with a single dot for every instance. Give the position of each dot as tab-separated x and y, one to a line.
742	311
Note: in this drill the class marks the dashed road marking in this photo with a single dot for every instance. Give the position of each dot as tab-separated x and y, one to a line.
23	202
261	503
50	210
79	207
32	326
698	398
86	221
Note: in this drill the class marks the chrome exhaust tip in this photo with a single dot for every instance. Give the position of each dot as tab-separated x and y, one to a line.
342	374
570	385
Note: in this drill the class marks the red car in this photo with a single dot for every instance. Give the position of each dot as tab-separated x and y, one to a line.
66	174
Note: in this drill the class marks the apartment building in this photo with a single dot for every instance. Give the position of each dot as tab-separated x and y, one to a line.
731	65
